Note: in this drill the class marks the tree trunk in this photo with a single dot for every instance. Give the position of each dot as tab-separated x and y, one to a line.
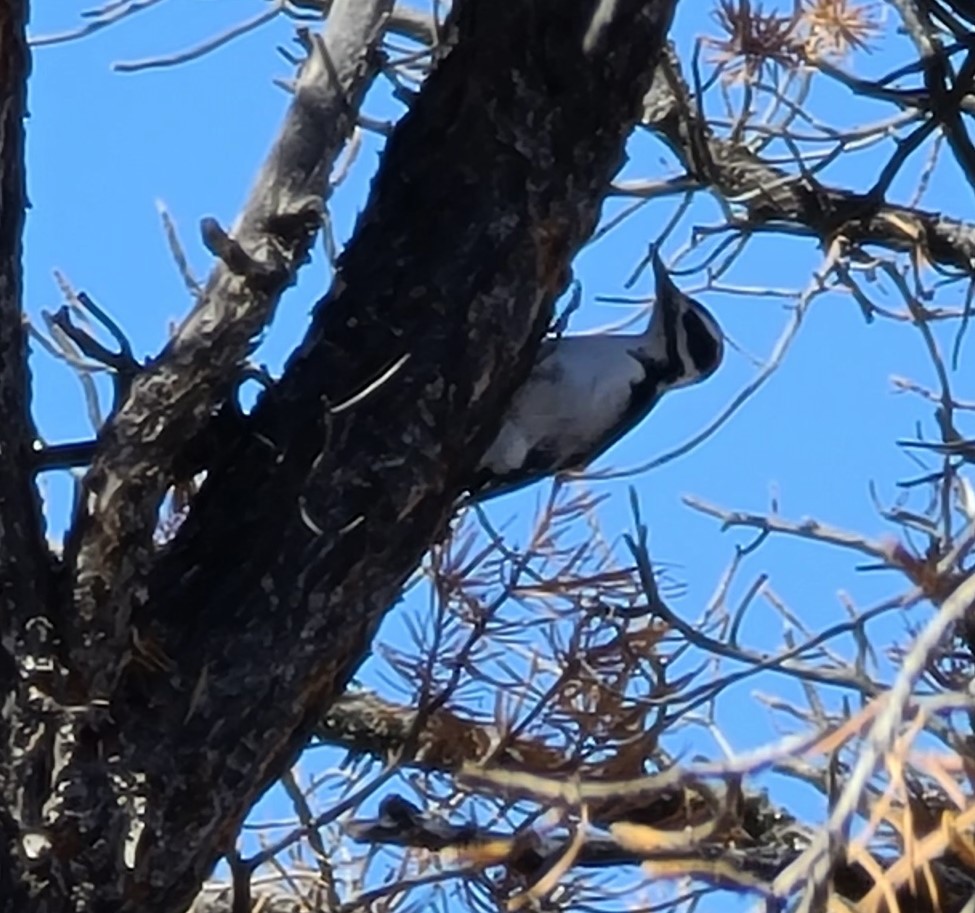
175	686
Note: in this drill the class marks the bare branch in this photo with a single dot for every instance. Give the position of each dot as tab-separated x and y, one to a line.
114	12
813	868
403	20
774	197
205	47
805	529
177	394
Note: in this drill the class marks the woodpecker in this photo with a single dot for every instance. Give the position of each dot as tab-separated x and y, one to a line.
585	392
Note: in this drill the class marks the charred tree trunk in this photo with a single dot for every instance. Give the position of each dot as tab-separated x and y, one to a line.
151	696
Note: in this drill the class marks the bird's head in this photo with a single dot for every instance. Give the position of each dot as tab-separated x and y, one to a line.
685	330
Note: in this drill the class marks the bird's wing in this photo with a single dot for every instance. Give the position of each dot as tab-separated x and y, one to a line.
547	458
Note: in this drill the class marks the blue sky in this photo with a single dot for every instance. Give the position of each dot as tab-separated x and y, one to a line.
104	147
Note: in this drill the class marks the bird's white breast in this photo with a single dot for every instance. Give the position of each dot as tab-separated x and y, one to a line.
576	393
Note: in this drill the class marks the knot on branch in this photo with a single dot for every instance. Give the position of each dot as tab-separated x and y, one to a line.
298	225
263	276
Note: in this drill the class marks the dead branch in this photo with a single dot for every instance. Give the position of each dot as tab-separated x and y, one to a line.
170	402
771	196
812	870
403	20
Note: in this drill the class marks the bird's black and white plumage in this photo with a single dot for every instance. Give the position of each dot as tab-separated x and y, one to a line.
586	392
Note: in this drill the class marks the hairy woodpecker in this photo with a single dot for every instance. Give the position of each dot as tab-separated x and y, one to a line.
585	392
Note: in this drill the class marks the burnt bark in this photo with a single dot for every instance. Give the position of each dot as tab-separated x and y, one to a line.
23	552
189	680
25	564
354	461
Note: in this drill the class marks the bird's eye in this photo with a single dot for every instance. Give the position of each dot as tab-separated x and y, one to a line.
703	346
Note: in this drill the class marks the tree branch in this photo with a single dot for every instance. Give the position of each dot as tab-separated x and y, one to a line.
403	20
745	848
772	196
365	723
452	274
221	900
176	395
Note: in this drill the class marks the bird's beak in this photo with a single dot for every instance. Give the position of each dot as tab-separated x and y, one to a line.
667	304
668	295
